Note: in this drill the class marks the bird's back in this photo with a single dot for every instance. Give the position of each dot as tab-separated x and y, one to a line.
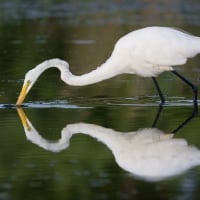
158	46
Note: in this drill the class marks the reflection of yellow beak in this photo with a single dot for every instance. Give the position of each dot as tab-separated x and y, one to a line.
24	119
23	93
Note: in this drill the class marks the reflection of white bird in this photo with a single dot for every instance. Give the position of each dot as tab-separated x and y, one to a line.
146	52
147	153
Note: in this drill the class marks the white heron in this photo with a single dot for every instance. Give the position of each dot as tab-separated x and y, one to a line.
146	52
148	153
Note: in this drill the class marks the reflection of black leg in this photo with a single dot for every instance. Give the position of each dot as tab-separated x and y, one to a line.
157	116
194	87
159	91
194	113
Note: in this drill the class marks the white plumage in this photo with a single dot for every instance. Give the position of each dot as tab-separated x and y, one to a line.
153	50
145	52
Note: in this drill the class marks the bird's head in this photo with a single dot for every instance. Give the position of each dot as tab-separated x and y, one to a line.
30	78
33	74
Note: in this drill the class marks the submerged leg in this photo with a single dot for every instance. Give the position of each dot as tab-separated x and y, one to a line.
194	87
159	91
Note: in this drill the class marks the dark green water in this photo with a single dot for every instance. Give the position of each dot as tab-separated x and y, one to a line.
94	142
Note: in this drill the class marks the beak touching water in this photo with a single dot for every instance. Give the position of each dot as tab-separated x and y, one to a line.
23	93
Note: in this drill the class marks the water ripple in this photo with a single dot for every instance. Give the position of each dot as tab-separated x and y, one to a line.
80	103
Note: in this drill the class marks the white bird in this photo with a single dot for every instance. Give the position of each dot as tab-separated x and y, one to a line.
145	52
147	153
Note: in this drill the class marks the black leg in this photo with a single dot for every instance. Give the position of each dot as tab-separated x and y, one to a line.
159	91
194	87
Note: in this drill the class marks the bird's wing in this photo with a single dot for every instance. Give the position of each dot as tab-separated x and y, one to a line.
171	51
162	46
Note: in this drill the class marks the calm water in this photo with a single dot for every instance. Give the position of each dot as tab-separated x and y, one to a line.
94	142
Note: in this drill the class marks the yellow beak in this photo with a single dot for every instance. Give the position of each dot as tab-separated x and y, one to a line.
23	93
24	119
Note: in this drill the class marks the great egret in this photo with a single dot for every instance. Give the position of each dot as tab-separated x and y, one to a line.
148	153
145	52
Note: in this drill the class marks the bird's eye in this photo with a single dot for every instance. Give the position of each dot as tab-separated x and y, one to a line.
28	82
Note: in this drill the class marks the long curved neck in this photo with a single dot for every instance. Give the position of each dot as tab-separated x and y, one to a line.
103	72
107	70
